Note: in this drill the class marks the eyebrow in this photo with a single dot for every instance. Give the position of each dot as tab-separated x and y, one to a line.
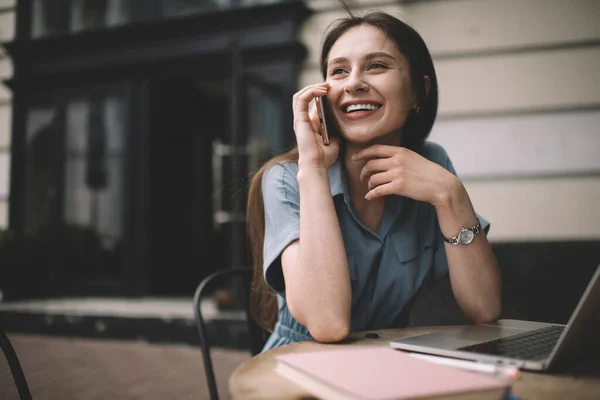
369	56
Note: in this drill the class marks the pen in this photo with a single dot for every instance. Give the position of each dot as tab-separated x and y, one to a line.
508	371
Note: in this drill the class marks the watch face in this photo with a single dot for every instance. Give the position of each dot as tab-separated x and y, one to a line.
465	236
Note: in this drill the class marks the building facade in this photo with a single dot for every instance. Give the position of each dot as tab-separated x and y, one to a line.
128	129
135	127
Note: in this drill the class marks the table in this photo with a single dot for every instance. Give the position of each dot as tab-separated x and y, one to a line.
257	379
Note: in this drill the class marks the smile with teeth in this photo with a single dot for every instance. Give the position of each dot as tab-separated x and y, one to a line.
361	107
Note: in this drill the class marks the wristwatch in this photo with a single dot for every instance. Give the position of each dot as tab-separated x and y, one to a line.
465	236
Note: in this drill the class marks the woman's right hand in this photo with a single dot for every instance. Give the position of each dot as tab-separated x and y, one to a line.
311	150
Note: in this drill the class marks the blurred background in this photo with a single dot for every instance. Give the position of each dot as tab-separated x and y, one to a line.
129	130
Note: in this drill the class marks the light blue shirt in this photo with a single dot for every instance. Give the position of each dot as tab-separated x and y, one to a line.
386	267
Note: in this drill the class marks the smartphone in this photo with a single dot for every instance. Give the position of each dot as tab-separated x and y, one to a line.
320	103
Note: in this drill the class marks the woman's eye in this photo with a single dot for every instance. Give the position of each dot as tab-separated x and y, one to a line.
336	71
377	65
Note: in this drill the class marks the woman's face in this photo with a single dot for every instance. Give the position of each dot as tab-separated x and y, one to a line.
370	91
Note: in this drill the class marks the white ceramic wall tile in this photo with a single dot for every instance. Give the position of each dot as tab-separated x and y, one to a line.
5	125
545	80
7	3
4	174
308	76
6	68
451	27
5	94
526	145
3	214
7	26
539	209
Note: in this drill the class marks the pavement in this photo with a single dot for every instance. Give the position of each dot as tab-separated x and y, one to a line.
97	369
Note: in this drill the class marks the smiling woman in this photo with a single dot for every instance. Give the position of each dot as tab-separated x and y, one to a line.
382	79
344	235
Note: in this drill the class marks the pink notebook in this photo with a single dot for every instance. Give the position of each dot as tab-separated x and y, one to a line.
383	373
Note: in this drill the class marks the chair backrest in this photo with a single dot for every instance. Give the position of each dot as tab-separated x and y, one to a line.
15	366
256	335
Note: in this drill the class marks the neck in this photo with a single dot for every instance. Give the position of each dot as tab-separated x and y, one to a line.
357	188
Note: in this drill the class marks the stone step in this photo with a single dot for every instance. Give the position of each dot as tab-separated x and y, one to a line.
149	319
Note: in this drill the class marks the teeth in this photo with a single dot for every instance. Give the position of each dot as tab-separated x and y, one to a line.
361	107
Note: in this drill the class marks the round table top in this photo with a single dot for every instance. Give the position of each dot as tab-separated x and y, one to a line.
257	379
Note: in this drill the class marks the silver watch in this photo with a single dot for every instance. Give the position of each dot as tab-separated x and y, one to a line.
465	236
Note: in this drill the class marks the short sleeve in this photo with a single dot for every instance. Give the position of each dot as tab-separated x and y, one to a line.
440	261
282	219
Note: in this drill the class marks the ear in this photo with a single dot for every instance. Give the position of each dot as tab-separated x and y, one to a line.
427	85
417	99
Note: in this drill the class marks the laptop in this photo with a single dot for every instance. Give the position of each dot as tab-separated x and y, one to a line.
534	346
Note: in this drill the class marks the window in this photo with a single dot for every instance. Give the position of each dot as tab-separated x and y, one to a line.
75	180
94	165
52	17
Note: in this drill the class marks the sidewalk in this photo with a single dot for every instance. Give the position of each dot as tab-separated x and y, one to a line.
98	369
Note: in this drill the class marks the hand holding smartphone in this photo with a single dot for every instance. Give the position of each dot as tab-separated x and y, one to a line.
319	101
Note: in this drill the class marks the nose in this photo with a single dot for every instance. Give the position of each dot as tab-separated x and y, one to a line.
356	83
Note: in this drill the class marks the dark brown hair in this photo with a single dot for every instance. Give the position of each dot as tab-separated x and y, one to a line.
263	301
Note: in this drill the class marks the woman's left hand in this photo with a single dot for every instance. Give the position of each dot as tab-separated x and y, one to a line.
400	171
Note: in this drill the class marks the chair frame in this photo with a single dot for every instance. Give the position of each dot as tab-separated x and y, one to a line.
15	366
256	333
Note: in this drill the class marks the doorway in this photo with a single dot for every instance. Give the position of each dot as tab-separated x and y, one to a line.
184	119
206	139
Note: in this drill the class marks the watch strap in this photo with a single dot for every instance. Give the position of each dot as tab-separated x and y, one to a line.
455	240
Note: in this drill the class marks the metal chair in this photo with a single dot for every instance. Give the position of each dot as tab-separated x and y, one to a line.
256	333
15	366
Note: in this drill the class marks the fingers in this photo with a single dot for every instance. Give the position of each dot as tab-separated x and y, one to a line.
380	191
310	144
373	167
302	99
381	179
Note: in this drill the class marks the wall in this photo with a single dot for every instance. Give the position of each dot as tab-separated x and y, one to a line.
519	105
7	28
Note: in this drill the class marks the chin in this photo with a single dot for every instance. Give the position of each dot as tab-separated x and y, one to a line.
362	139
368	138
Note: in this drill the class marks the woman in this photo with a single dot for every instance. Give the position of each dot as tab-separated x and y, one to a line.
346	234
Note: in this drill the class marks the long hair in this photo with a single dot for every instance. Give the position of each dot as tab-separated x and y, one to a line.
263	301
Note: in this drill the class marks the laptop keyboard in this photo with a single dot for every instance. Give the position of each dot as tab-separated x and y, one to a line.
533	345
